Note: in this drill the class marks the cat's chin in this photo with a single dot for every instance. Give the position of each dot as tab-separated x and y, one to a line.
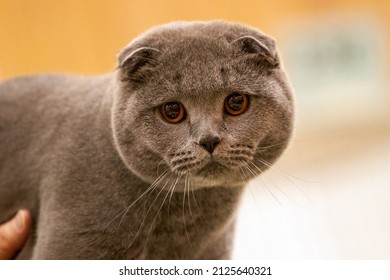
216	174
212	170
198	182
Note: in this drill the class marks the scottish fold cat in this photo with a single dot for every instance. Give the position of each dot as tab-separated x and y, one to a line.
150	161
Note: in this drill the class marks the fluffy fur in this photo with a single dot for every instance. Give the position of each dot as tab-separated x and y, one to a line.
105	177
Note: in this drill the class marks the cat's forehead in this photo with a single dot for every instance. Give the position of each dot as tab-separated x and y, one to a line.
197	60
197	71
201	67
199	74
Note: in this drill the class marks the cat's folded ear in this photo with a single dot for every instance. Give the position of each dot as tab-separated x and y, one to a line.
135	64
262	48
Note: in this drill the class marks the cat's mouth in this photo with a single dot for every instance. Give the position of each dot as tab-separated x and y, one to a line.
215	173
211	172
218	169
211	169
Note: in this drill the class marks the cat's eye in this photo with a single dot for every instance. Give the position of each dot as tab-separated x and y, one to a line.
172	112
236	103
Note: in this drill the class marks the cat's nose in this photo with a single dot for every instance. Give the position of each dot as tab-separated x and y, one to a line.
209	143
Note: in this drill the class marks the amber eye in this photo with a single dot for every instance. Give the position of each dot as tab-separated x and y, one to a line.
172	112
236	103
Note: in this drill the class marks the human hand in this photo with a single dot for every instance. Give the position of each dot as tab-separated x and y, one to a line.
13	234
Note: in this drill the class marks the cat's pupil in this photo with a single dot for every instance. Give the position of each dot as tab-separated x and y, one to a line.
172	110
235	102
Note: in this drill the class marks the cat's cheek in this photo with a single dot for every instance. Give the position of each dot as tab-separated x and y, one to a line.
169	138
249	132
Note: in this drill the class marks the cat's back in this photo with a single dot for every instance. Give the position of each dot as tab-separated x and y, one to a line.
17	92
26	106
39	116
31	105
44	95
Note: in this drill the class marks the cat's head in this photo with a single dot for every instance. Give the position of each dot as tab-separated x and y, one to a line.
201	102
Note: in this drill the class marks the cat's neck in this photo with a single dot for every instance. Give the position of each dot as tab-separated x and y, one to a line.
185	225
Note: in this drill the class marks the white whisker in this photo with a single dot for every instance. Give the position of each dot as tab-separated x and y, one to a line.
184	219
194	197
263	183
249	186
124	211
158	212
289	177
151	187
172	191
144	218
189	203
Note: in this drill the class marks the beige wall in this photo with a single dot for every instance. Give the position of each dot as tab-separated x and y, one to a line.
84	36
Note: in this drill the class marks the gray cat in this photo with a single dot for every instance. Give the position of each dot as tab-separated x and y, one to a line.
148	162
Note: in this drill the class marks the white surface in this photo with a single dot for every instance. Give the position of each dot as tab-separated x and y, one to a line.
338	208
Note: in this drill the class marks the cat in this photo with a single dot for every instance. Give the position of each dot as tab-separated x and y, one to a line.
149	161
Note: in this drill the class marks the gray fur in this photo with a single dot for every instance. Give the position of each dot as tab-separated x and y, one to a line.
81	153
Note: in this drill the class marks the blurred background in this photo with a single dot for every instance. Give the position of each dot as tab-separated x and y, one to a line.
328	197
